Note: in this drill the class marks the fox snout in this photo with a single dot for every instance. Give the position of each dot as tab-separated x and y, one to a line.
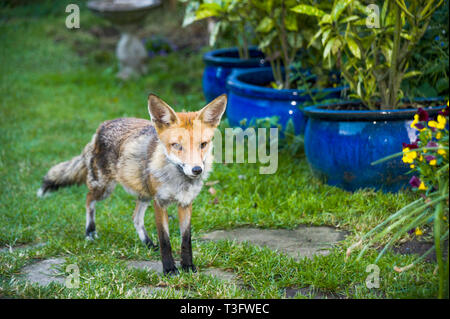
197	170
191	171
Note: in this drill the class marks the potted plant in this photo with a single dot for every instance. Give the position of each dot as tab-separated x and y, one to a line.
293	78
427	215
341	140
224	16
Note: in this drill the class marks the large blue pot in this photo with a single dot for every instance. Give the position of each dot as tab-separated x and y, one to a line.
221	63
341	145
249	99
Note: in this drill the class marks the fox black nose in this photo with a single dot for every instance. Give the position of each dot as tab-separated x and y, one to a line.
196	170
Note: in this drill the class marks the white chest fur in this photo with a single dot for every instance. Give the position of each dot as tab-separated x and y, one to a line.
178	190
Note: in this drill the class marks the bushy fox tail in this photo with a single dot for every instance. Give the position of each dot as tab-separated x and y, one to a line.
72	172
64	174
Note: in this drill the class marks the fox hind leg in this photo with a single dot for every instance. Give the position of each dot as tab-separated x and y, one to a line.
95	195
138	219
90	217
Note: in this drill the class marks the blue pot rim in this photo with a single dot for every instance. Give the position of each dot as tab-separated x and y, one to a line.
91	5
319	112
219	58
236	85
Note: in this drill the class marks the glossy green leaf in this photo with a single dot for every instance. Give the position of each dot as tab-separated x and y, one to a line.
308	10
328	47
325	19
290	22
338	8
266	25
354	48
411	74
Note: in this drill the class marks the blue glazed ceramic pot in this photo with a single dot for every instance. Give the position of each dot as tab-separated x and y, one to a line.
341	145
221	63
249	99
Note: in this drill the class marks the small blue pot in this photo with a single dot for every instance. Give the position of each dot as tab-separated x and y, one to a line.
341	145
221	63
249	99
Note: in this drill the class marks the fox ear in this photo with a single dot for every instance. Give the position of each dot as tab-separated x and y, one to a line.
212	113
161	113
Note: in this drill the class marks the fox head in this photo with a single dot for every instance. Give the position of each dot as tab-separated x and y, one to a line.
187	137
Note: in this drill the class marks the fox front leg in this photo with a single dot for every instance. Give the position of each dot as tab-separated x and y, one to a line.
138	219
162	225
184	215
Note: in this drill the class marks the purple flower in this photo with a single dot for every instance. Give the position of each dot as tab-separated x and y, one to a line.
423	115
410	146
445	112
419	126
430	157
414	182
411	231
432	144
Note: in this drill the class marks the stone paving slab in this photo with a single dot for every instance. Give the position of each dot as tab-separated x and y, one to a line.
156	266
227	276
149	265
298	243
44	272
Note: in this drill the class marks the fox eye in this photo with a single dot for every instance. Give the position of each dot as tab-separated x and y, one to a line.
203	145
177	146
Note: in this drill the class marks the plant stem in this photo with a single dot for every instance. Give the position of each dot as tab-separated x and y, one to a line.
390	100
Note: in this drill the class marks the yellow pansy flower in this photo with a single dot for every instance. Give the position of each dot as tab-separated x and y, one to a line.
418	232
422	186
438	135
440	124
408	157
433	162
416	120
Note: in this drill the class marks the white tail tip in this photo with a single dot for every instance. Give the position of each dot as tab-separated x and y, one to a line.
40	193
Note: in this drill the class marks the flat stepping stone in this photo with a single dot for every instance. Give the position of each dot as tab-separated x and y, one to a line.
44	272
156	266
221	274
297	243
419	247
148	265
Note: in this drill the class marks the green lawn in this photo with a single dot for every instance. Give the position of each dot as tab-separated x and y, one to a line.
52	100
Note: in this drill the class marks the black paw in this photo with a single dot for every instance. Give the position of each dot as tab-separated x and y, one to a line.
171	271
189	268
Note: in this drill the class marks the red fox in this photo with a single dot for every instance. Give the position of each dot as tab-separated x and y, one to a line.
165	159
